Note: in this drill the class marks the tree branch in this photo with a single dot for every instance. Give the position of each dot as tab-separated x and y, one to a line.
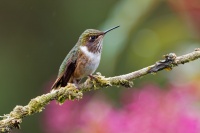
36	105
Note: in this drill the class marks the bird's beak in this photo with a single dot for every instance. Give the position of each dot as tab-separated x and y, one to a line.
110	29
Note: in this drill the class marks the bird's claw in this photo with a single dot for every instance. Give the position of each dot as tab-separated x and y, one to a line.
99	80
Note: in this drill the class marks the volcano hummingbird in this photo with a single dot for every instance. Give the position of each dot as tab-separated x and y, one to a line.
83	59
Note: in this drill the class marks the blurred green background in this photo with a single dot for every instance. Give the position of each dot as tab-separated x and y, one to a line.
35	36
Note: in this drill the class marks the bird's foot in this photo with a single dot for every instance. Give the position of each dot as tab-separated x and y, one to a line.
76	83
73	86
99	80
92	77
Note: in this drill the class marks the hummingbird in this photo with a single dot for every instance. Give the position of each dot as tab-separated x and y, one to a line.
83	59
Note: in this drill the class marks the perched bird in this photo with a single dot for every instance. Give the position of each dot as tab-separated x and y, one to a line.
83	59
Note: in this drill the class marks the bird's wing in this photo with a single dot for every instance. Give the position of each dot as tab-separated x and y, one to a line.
66	70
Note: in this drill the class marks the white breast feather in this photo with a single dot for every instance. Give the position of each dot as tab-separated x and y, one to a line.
92	56
94	60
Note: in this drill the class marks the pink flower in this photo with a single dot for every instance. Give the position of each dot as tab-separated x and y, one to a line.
146	110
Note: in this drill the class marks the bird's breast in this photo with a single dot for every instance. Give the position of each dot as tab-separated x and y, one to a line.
88	62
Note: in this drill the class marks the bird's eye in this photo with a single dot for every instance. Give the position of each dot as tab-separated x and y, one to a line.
93	38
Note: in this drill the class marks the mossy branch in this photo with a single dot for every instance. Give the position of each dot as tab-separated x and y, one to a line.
36	105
